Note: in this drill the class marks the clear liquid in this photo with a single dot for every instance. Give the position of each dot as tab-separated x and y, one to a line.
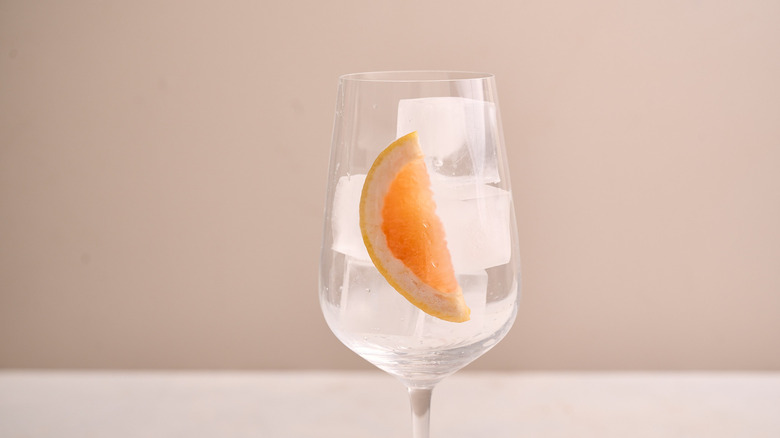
415	347
376	322
424	360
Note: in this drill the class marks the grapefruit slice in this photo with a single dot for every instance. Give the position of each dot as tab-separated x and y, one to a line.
404	236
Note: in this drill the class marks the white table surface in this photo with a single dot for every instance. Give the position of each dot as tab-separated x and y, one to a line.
363	404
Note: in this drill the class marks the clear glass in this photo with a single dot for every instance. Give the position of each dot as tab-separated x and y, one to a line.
457	118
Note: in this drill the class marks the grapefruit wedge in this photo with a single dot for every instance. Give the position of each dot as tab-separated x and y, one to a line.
404	236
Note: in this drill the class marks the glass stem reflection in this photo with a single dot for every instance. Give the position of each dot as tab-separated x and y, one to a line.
420	399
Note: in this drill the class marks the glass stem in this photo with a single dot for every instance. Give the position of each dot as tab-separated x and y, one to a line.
420	398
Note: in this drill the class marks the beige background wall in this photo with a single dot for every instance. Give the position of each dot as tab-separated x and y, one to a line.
162	170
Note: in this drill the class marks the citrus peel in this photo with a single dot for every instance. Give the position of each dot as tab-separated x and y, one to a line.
403	235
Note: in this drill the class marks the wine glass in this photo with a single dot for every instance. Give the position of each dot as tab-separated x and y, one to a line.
456	118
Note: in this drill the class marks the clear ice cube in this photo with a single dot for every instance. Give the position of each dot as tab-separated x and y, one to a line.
345	219
458	135
476	220
370	305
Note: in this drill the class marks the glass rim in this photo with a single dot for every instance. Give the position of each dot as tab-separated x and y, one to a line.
416	76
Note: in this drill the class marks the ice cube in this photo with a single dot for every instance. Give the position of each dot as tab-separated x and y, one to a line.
474	288
370	305
345	218
476	223
458	135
